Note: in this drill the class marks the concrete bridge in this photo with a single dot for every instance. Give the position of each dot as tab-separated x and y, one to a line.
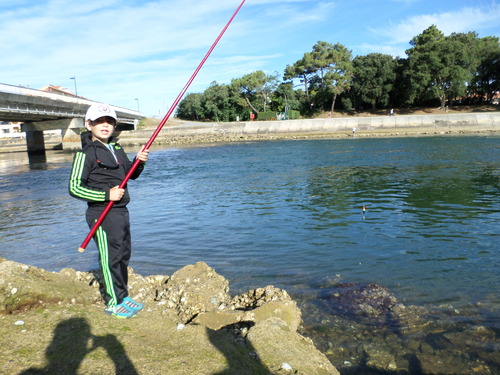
39	110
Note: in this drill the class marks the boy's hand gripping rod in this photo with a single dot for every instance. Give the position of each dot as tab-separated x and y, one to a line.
136	162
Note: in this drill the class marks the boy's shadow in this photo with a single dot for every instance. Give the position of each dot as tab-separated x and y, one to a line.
70	345
237	350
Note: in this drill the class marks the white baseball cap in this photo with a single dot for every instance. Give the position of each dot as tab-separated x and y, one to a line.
97	110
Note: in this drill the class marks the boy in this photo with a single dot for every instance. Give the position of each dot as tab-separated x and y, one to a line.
95	176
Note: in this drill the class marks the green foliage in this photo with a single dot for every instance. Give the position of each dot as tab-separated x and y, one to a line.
266	116
256	88
335	69
270	115
217	103
285	98
191	108
374	79
346	103
325	73
303	70
438	69
439	66
486	81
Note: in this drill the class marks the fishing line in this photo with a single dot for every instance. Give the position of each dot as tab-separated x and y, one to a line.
136	162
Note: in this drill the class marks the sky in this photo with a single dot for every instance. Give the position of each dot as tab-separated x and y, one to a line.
140	54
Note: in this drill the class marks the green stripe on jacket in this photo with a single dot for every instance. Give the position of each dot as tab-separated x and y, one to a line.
76	185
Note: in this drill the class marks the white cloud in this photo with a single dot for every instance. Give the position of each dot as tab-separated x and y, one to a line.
122	50
462	20
398	36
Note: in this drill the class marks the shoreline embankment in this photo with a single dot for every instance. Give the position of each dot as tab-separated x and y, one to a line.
179	132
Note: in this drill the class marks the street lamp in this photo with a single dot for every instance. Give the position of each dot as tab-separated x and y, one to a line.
76	90
138	109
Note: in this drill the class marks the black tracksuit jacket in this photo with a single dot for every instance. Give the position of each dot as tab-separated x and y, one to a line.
95	171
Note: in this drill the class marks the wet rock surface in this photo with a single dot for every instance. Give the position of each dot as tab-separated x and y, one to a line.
363	328
363	300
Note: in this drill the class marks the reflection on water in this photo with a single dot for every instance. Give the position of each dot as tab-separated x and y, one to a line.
15	162
289	214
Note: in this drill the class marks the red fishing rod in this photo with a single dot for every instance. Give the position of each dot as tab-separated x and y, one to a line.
136	162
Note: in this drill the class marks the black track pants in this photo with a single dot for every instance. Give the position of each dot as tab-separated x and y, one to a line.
114	244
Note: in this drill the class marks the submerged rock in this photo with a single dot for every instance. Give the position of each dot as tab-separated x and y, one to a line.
365	300
363	328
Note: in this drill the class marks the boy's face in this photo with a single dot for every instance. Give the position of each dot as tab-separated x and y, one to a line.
102	128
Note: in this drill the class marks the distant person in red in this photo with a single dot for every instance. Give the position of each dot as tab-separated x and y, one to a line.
96	175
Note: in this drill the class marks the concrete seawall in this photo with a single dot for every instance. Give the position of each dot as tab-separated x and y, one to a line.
489	121
180	132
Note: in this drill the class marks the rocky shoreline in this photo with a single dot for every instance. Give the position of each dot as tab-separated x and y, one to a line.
187	133
177	136
54	323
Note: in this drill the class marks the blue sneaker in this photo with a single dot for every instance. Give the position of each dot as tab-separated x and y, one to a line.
120	311
132	305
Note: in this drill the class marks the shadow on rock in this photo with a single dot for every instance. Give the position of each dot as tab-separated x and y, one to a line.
241	356
72	341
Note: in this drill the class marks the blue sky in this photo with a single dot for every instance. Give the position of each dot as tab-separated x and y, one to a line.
123	50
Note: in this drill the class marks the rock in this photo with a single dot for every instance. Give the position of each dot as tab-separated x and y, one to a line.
375	304
36	287
195	289
286	311
218	319
258	297
267	338
364	300
380	359
145	288
256	330
450	362
286	367
409	319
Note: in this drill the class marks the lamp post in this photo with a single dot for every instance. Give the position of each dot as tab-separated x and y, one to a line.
138	109
76	90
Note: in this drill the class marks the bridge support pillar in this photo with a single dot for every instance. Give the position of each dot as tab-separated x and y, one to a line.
70	128
35	143
71	139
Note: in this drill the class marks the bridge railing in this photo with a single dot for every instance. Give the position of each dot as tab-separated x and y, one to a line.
25	91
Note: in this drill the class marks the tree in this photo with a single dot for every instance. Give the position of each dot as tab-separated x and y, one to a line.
303	70
325	72
217	102
438	66
487	79
191	108
374	77
285	98
256	89
335	66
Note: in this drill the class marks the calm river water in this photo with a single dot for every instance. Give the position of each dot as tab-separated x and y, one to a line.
289	213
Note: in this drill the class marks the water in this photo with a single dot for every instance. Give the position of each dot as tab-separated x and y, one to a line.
289	214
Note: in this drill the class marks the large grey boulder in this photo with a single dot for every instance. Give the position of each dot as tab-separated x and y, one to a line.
195	289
